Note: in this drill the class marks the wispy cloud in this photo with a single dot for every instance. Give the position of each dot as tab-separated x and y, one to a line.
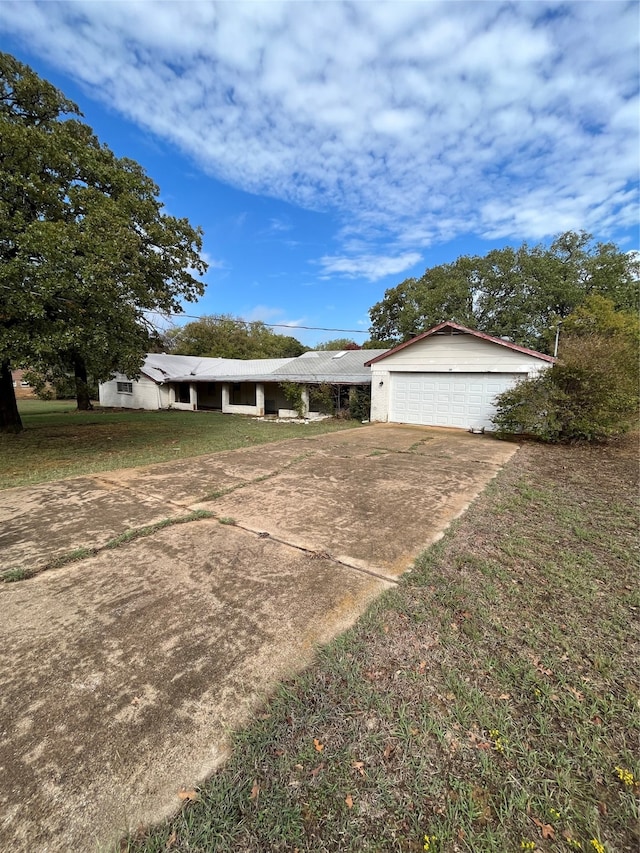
417	121
371	267
273	316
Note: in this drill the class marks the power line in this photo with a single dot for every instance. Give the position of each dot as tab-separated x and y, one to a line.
238	320
270	325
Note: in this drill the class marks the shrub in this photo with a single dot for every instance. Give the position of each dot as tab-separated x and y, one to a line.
360	404
293	395
322	399
589	395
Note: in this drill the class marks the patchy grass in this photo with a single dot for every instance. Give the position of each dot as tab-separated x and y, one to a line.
58	441
18	574
489	703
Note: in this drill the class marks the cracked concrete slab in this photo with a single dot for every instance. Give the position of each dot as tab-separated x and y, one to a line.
122	675
379	514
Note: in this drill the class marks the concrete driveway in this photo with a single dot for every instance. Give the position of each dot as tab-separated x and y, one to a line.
122	674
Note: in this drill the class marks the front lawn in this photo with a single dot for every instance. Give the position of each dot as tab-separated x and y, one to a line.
58	441
489	703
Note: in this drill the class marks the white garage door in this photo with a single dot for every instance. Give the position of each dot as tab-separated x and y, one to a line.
447	399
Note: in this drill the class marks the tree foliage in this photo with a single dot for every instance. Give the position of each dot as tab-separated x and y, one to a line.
592	392
516	293
228	337
338	344
86	250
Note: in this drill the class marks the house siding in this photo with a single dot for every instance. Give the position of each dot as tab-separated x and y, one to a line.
462	354
146	394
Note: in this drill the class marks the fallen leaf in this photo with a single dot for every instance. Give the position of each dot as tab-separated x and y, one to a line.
318	746
597	721
359	766
171	840
546	829
317	769
504	696
188	795
385	628
421	666
579	696
389	748
543	669
349	801
255	791
602	808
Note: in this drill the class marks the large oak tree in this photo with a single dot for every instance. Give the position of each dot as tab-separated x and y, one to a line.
86	251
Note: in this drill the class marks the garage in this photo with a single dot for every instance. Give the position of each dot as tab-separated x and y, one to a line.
449	376
447	399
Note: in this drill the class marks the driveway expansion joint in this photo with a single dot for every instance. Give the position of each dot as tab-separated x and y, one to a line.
314	554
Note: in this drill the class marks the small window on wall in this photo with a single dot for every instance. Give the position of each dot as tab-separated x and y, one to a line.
124	387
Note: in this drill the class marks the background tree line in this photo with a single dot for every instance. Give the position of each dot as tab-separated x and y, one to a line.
520	294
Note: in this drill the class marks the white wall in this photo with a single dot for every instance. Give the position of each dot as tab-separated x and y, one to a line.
380	393
462	354
146	394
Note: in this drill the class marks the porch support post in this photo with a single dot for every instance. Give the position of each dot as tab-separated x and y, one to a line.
224	391
259	399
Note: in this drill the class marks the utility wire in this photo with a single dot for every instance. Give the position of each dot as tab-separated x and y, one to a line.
212	317
271	325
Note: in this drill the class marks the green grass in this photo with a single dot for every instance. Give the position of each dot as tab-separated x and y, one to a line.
489	703
19	573
59	441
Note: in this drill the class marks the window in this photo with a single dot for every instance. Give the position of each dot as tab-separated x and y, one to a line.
182	393
125	387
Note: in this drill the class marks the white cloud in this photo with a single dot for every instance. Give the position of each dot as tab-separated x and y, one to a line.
416	121
372	267
273	317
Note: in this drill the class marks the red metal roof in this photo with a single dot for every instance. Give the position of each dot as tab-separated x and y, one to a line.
448	324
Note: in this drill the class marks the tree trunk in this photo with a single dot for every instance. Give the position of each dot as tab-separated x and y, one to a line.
82	386
9	416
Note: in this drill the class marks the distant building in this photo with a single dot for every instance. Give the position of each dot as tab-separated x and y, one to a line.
22	388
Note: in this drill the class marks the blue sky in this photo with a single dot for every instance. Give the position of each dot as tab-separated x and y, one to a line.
331	150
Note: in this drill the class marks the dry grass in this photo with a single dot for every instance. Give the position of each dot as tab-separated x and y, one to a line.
490	703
